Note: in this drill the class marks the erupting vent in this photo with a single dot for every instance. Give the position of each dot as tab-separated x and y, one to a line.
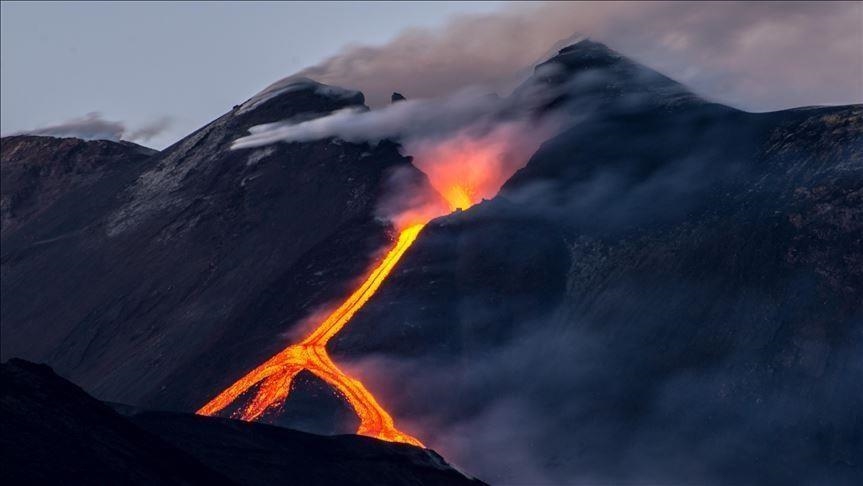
462	170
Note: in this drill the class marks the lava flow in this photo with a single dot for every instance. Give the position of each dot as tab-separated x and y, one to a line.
462	170
276	374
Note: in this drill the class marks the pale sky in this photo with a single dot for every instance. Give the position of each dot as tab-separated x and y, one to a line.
139	62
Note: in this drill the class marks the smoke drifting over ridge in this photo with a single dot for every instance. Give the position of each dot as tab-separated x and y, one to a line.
468	144
93	126
736	53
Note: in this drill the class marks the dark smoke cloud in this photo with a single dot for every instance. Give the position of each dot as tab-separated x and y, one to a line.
758	56
93	126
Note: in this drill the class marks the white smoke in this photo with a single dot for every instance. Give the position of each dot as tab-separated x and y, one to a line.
406	119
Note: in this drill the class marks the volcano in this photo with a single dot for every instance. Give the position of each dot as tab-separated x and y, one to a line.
667	291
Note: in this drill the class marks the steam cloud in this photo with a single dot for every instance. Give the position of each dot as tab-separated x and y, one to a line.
758	56
93	126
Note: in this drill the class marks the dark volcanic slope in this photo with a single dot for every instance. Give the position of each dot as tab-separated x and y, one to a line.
250	453
53	432
165	282
37	172
671	291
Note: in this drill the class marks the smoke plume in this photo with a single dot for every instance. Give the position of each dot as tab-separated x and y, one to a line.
93	126
757	56
467	144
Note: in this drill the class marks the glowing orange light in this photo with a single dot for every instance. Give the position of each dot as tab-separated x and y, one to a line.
468	167
458	197
274	376
462	170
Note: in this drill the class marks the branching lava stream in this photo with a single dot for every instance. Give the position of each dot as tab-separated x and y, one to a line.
462	170
276	374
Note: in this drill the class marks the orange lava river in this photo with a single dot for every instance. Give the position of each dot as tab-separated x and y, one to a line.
274	376
462	170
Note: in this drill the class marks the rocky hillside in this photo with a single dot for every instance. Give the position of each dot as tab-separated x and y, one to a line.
37	172
156	285
53	432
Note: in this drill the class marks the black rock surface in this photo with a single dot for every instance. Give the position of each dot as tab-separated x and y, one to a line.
37	172
54	433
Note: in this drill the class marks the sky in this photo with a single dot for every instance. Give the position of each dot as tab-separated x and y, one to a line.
142	62
154	72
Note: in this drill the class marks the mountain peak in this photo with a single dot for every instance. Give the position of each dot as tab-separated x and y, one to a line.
586	45
295	84
590	71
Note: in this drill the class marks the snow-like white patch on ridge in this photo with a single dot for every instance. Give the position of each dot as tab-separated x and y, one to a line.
292	84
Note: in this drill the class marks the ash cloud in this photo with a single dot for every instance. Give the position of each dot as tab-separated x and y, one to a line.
93	126
754	55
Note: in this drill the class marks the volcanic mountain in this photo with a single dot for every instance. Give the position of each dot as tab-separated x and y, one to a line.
38	171
150	262
669	291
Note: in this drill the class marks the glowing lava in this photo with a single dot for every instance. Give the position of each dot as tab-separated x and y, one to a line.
275	375
462	170
458	197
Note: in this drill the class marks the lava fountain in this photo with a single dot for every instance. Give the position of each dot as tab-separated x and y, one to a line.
463	169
